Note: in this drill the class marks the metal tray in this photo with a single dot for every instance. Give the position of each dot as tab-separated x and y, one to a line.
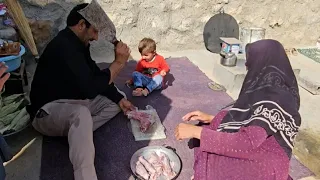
146	151
19	130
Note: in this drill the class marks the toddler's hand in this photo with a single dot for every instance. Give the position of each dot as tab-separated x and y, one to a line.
163	73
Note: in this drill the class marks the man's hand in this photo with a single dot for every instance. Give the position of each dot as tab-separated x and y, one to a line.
3	79
122	52
163	73
126	105
129	82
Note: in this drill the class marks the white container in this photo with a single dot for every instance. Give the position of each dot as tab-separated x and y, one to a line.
250	35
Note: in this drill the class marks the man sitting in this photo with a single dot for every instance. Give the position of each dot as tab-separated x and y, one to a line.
70	96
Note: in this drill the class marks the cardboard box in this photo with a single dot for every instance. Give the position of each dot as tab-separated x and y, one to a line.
230	45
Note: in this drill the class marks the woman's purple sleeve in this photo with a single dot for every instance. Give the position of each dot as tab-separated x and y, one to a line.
238	144
217	120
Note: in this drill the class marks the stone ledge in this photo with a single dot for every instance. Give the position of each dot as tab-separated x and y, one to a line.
310	178
232	77
308	78
307	150
309	85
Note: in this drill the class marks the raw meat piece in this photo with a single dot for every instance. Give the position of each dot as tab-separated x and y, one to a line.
154	176
167	169
142	117
155	160
141	171
158	165
171	164
147	165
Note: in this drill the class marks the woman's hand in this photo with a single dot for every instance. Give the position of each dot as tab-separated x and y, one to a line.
3	76
198	115
187	131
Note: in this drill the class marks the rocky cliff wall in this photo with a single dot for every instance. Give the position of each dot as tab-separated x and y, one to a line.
178	24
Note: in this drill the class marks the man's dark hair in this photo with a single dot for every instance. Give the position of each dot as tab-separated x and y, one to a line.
74	17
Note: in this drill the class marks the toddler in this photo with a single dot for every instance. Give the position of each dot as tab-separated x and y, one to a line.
150	71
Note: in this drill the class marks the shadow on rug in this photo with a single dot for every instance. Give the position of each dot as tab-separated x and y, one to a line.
186	91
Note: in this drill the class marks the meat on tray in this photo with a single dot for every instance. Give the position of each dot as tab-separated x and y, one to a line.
141	170
155	166
167	166
155	161
142	117
147	165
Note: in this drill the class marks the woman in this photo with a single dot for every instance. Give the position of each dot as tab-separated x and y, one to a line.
5	153
254	139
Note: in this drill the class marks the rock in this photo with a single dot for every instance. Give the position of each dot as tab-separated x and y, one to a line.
47	2
161	22
217	8
184	24
41	31
173	22
107	1
120	20
205	18
280	22
9	33
39	2
164	7
99	50
176	4
275	23
181	22
307	149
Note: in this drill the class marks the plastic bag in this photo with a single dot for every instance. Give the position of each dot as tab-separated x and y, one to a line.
145	117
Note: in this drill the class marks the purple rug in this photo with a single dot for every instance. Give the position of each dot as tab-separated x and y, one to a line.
186	91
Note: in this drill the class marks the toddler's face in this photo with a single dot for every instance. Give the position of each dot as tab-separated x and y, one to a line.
147	56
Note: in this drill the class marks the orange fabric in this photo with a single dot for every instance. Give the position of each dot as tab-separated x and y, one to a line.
159	62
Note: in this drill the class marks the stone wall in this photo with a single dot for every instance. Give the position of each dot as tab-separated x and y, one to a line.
178	24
